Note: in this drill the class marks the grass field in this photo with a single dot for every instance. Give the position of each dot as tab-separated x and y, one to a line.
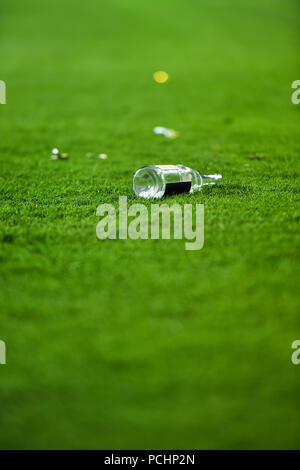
142	344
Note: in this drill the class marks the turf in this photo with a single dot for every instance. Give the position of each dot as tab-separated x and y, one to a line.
142	344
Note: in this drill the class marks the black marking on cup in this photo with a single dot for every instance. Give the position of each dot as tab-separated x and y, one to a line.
177	188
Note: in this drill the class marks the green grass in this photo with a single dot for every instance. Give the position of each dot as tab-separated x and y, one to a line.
142	344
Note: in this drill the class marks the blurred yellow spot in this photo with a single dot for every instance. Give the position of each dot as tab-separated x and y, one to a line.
160	76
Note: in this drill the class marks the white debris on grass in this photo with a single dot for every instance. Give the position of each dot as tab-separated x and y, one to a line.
56	155
102	156
169	133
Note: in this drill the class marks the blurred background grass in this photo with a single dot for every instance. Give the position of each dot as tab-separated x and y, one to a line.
141	344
